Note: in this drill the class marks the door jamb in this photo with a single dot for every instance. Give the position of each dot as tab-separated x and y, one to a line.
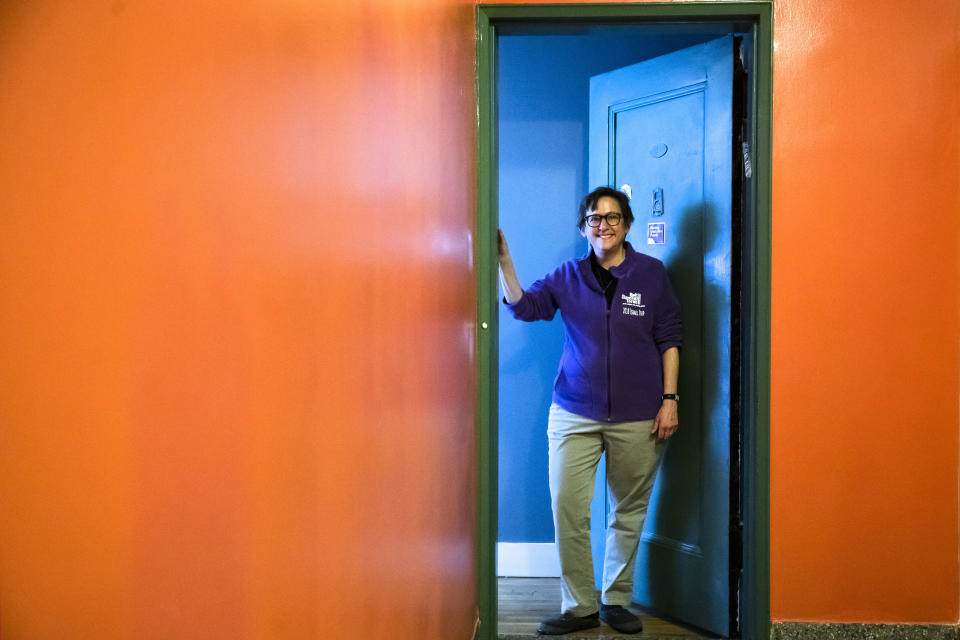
755	590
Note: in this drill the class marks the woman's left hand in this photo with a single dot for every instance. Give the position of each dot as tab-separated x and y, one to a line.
667	420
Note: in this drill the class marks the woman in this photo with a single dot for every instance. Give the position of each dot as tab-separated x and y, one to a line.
616	391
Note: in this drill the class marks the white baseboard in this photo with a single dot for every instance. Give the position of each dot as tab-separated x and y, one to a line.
527	560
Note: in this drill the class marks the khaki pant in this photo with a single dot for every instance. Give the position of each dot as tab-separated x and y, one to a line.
633	457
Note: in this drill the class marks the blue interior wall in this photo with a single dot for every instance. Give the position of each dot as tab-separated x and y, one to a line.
543	75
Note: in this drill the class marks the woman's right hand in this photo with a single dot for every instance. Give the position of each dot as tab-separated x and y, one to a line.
503	251
512	290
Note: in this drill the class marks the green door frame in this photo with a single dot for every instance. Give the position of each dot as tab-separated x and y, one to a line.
755	590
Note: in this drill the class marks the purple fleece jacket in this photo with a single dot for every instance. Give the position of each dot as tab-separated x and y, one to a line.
611	368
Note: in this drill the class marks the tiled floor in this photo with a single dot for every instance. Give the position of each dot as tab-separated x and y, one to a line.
524	601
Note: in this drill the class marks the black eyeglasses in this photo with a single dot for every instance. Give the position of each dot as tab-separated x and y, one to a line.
613	219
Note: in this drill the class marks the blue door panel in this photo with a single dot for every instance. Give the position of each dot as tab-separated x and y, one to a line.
661	131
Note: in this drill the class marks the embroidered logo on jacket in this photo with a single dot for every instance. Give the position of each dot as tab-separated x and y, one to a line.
632	305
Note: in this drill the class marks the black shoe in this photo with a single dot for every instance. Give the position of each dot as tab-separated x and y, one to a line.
620	619
568	623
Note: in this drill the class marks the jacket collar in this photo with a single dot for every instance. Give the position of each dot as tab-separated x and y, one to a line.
618	271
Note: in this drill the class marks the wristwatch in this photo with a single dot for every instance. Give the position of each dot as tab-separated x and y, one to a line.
671	396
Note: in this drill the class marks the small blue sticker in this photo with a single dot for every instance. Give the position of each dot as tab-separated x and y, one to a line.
656	232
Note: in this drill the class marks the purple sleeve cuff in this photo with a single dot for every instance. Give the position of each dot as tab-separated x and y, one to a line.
668	345
536	303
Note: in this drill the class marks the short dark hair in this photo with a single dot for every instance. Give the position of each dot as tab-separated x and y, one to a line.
589	204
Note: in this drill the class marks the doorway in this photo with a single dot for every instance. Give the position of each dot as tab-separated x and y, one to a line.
647	29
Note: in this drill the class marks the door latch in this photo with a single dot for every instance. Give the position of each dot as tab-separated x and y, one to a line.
658	201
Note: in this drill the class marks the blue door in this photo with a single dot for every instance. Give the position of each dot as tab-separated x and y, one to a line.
661	131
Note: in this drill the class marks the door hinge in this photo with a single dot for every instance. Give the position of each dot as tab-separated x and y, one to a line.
747	166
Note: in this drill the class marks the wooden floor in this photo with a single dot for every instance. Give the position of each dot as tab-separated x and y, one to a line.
523	602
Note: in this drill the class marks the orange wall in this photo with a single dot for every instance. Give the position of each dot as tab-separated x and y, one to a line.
236	319
865	311
866	297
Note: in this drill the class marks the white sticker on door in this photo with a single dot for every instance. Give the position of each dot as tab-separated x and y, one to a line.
656	232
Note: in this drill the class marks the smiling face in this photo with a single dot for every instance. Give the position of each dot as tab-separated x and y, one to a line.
605	239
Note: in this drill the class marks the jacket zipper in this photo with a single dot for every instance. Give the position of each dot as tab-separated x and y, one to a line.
609	409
